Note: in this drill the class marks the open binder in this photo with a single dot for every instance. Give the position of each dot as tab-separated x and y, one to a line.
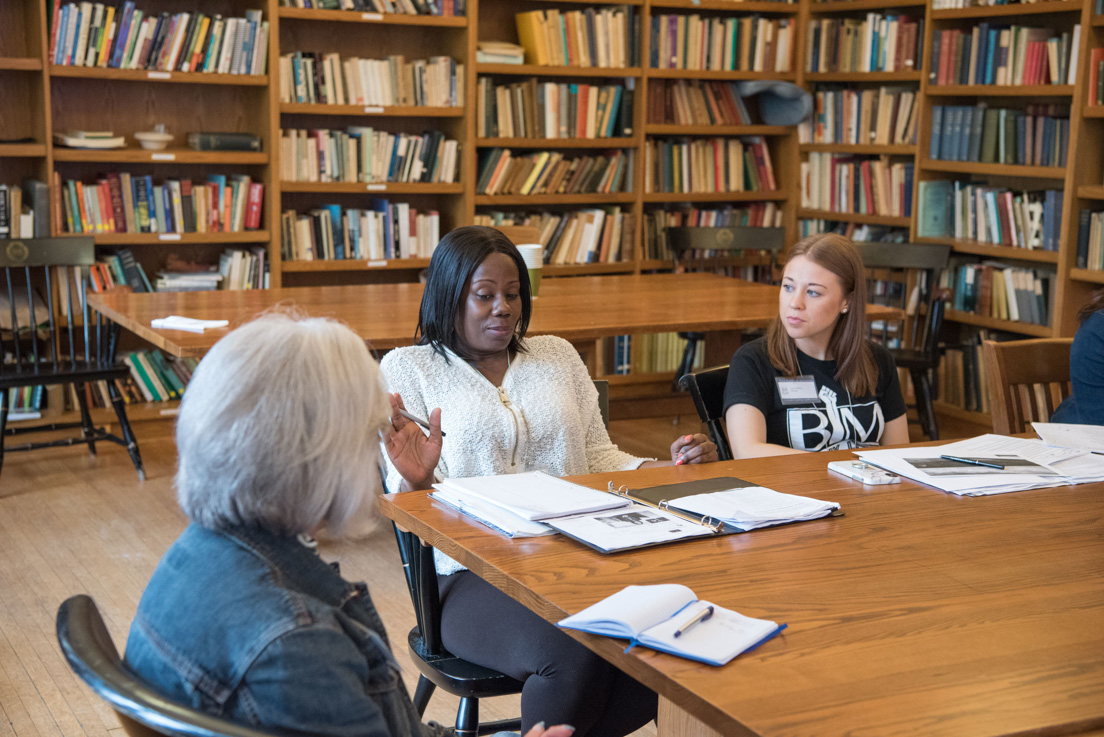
691	509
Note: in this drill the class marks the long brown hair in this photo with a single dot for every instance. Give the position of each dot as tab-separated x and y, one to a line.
855	367
1095	303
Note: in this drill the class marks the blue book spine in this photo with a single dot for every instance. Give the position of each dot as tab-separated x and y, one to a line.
990	56
151	203
76	24
171	226
982	54
907	206
352	218
336	230
61	32
936	132
614	107
121	35
963	147
1021	138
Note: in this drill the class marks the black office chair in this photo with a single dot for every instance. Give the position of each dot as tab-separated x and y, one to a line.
41	353
916	350
142	711
688	243
439	667
706	388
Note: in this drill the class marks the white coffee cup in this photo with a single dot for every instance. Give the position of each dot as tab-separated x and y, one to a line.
533	255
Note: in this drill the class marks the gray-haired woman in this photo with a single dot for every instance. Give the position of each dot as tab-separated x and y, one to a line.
278	437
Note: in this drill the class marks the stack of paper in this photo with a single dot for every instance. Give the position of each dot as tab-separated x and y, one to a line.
1027	464
1062	435
515	503
752	507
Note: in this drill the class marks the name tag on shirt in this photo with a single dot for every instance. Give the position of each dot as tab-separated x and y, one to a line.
797	390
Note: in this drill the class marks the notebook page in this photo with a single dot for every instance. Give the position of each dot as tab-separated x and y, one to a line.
754	504
631	610
716	640
535	495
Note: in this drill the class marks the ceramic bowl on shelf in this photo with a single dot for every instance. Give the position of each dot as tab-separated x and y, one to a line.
154	140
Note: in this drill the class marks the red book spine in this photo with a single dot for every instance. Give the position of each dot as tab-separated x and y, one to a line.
115	191
253	211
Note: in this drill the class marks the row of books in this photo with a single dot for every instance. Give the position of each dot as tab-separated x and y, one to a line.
992	289
238	268
1004	55
121	203
407	7
384	230
748	43
885	116
1035	136
696	102
1090	239
992	215
159	379
962	379
360	154
870	186
656	222
958	4
327	79
554	172
876	43
708	165
562	233
25	402
858	232
533	109
87	34
594	37
648	353
25	209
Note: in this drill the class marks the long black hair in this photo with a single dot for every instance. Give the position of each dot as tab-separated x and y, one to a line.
455	259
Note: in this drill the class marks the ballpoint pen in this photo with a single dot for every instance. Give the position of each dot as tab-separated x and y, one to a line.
701	616
418	420
973	462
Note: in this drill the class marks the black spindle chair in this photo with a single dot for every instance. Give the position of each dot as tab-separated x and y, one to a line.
36	351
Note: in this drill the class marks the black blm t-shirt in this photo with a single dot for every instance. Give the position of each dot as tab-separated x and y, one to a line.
834	420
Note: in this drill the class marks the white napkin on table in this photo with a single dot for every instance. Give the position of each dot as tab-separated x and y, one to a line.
190	324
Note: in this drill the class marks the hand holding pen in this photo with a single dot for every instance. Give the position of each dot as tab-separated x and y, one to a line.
414	454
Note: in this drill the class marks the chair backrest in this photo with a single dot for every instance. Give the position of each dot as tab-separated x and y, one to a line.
421	582
603	399
687	241
519	234
898	261
1028	379
706	388
39	277
88	647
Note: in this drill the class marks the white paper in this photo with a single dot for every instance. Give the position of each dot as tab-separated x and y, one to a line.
628	527
497	518
1083	437
753	506
535	495
631	610
189	324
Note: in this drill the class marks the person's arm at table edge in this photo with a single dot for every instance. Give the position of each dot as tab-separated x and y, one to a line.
747	434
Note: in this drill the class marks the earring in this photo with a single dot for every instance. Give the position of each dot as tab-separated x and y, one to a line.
844	310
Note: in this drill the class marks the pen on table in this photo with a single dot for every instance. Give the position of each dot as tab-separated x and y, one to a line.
418	420
701	616
973	462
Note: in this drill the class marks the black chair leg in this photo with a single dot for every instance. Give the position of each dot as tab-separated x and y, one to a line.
88	433
124	425
3	424
922	386
422	694
467	718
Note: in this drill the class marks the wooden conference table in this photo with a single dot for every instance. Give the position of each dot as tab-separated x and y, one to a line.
386	314
916	613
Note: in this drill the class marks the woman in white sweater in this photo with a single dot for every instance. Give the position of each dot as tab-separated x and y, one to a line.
508	404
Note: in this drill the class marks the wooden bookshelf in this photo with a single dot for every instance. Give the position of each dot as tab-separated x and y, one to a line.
537	70
556	143
982	321
1091	276
856	217
851	6
990	250
146	239
660	129
177	155
385	19
20	64
348	264
1009	11
160	77
995	170
375	111
997	90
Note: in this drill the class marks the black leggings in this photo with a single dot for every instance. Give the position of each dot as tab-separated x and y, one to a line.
565	683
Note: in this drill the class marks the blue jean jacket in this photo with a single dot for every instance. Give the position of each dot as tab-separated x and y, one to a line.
258	629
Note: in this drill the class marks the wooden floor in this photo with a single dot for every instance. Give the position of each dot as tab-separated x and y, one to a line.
73	524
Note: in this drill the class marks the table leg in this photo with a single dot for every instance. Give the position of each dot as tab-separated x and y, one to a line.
674	721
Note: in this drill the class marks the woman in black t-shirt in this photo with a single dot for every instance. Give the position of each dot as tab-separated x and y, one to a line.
814	382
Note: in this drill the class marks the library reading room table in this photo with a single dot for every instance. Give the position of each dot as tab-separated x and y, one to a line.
386	314
916	613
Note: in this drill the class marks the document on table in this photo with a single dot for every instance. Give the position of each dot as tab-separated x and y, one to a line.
534	495
628	528
497	518
1084	437
1028	464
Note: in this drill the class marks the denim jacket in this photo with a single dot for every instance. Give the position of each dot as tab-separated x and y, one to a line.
257	628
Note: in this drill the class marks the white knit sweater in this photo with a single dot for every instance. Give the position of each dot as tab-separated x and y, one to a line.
544	417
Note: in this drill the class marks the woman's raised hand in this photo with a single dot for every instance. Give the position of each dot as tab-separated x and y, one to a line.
414	454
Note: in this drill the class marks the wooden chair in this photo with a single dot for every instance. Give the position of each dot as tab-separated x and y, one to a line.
1028	379
437	666
38	352
706	388
916	350
142	711
687	241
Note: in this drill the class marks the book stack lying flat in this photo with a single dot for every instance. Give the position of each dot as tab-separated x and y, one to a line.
90	139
